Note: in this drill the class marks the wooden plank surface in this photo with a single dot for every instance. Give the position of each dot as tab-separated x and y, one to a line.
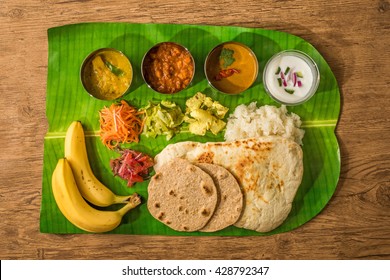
352	35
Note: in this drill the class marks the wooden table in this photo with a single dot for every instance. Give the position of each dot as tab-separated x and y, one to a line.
352	35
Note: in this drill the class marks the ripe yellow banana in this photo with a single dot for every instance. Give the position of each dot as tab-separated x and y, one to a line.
90	187
77	210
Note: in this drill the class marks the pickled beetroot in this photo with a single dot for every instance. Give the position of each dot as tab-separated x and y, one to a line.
132	166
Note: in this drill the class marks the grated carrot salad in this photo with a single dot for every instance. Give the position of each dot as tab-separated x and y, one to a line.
120	123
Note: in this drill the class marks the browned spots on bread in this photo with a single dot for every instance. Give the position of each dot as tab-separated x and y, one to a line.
262	198
276	166
280	186
206	189
190	168
275	182
221	176
206	157
240	169
161	216
250	188
157	205
256	146
205	212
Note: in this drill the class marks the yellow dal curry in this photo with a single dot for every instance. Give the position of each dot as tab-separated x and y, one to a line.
107	74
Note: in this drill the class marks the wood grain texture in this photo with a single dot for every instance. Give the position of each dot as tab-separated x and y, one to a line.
352	35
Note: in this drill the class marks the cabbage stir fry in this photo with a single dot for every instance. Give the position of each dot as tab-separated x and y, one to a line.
202	114
163	118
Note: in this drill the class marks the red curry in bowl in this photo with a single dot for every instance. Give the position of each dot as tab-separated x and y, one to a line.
168	68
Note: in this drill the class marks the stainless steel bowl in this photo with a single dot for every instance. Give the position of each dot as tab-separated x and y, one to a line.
156	71
91	78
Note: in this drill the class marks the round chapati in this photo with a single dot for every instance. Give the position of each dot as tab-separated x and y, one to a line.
182	196
231	201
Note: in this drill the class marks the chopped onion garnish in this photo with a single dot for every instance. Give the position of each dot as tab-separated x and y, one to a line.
289	75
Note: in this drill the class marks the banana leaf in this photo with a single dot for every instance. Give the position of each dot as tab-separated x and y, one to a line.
67	101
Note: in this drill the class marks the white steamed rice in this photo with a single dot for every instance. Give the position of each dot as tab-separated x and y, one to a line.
251	121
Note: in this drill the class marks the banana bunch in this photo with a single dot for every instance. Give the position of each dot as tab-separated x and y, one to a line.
77	210
90	187
73	182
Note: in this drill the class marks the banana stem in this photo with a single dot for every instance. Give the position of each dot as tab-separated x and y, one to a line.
122	199
134	200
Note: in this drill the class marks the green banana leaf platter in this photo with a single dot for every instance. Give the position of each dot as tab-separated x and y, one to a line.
67	101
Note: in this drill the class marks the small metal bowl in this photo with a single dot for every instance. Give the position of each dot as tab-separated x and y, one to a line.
168	68
231	67
291	77
106	74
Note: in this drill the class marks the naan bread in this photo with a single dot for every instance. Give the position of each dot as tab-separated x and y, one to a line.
182	196
269	170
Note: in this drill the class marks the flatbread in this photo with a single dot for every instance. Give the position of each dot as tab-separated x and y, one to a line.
231	200
269	170
182	196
